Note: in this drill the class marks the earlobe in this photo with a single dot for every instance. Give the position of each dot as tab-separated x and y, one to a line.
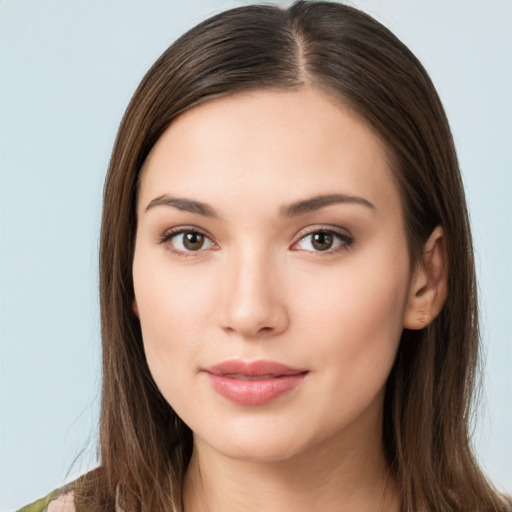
429	284
135	308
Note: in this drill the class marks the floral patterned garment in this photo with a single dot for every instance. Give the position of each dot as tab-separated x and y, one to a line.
42	504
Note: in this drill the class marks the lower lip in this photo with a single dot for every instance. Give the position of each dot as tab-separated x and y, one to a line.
254	392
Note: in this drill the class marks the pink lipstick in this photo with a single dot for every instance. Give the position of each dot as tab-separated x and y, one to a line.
255	383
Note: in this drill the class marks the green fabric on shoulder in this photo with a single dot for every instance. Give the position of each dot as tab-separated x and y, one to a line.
40	505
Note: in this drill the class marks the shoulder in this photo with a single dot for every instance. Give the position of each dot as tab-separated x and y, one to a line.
62	499
63	503
54	502
85	494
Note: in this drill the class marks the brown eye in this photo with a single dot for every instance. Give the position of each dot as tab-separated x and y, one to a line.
193	241
322	241
187	241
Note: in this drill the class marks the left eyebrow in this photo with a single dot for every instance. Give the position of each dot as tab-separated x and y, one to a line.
184	204
321	201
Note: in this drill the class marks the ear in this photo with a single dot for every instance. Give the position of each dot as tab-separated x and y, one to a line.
429	283
135	308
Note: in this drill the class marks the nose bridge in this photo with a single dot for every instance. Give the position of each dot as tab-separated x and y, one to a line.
253	304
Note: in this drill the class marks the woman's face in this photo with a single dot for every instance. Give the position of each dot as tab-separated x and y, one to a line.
271	273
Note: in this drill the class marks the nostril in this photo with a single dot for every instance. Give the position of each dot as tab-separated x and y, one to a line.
252	313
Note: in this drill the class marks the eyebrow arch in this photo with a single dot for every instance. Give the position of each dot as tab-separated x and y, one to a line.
317	202
292	210
186	205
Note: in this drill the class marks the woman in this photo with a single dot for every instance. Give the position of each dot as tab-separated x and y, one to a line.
287	282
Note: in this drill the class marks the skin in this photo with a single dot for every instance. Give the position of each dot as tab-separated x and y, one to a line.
258	288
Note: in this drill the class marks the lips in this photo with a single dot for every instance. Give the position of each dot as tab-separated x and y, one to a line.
254	383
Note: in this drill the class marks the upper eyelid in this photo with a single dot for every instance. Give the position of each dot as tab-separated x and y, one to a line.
184	229
337	230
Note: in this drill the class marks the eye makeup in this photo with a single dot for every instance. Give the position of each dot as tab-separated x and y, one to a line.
190	240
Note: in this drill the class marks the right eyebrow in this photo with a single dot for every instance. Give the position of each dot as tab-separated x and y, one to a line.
183	204
321	201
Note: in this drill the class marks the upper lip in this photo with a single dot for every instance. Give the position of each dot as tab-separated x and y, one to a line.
253	368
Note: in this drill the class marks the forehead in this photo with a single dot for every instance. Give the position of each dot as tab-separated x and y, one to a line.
276	144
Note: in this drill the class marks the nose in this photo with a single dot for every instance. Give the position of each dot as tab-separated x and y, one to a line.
253	304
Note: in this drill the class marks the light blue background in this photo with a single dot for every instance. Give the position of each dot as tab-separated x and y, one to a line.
68	69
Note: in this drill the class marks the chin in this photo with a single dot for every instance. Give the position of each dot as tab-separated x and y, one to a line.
258	450
257	440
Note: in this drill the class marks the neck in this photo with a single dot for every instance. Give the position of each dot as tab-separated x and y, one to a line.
332	475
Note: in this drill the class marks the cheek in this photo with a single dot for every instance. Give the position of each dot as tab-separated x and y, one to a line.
356	326
172	310
365	292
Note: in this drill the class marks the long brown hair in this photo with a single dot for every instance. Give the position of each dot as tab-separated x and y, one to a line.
145	447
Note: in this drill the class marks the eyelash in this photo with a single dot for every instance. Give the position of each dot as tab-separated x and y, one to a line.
345	240
167	237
